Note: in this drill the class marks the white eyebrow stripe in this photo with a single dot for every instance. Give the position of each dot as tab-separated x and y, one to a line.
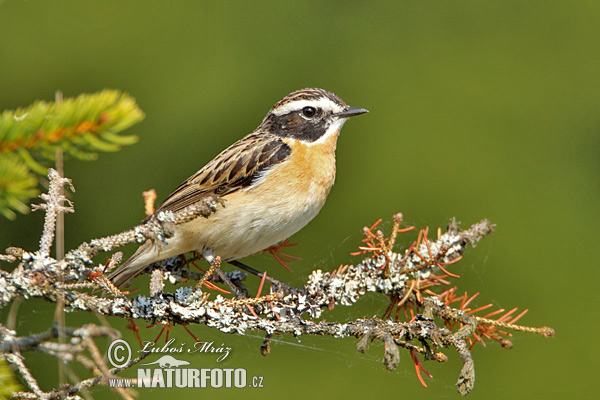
322	102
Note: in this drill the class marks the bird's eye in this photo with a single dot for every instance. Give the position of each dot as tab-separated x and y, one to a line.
309	111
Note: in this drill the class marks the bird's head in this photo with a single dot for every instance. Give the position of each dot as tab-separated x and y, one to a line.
309	115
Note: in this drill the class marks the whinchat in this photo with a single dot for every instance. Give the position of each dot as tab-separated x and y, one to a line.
273	182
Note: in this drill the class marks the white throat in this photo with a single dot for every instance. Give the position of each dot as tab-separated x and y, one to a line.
333	130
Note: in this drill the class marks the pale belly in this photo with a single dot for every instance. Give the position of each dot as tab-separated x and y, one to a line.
246	228
254	220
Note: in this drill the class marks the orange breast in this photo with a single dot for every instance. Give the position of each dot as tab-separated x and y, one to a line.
311	168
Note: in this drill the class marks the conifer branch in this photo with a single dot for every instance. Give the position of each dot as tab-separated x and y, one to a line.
81	127
409	278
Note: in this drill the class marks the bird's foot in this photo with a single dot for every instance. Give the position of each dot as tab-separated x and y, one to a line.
278	286
282	258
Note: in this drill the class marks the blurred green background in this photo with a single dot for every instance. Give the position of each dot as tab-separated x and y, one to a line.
478	110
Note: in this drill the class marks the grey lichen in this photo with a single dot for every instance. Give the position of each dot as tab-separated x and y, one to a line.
283	310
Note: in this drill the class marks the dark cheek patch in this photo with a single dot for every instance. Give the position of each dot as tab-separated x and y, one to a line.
293	125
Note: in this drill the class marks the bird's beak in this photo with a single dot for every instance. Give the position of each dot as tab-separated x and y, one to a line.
350	112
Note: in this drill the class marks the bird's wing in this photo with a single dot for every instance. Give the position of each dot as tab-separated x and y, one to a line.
240	165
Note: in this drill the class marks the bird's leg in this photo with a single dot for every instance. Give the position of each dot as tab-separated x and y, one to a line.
282	258
276	283
215	266
234	289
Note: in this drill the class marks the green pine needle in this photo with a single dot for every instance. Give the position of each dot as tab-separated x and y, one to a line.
8	383
17	185
80	127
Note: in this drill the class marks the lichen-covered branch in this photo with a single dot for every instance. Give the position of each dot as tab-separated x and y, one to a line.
408	278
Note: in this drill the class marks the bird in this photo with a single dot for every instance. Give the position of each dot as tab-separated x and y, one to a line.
272	182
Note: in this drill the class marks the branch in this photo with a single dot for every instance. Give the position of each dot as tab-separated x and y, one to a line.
80	127
405	277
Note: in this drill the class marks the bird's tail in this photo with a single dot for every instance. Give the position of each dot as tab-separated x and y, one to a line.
132	267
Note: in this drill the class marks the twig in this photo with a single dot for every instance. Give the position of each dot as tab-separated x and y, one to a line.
406	277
